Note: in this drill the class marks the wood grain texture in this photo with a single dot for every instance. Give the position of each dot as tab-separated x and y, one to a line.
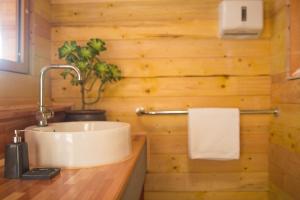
178	48
210	182
19	117
285	91
126	105
267	2
178	67
285	129
284	171
196	29
164	87
285	150
171	58
250	143
294	38
19	92
89	12
277	194
105	182
40	36
19	89
180	163
206	195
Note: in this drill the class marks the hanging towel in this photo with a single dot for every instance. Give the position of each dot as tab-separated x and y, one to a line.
214	133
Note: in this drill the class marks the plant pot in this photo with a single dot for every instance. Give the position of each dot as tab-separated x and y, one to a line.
85	115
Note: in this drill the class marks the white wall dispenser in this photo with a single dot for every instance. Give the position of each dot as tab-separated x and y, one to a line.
241	19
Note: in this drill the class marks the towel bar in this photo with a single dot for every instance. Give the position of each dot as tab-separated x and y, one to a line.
141	111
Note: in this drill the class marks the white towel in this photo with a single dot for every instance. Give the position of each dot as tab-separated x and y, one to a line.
214	133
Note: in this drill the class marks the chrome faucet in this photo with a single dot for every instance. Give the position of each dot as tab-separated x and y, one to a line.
43	114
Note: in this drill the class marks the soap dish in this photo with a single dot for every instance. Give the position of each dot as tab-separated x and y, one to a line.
40	173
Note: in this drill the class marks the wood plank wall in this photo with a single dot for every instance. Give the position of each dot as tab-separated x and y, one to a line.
18	118
19	92
40	34
172	58
285	134
20	89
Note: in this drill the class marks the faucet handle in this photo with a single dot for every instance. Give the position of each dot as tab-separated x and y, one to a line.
42	116
48	113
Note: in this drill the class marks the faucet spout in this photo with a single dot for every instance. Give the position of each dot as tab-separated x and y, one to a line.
43	113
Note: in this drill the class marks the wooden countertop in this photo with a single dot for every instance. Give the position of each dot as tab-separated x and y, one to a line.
106	182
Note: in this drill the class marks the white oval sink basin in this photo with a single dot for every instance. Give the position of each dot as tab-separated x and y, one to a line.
78	144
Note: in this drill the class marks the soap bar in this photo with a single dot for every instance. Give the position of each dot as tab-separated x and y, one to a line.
40	173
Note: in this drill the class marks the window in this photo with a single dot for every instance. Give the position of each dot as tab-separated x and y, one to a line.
14	36
294	39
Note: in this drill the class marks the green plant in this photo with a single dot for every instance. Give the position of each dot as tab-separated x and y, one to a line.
86	59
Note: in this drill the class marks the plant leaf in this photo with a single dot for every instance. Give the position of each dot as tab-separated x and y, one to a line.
82	66
97	45
67	49
87	60
85	53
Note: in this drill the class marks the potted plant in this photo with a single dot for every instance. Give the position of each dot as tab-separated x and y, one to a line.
94	72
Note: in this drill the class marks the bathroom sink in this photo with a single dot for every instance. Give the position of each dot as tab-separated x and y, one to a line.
78	144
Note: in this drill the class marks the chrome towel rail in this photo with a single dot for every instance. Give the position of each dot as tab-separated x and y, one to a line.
141	111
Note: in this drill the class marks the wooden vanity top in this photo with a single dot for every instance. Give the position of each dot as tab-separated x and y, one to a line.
106	182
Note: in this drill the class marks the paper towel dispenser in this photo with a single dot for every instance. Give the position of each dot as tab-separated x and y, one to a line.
241	19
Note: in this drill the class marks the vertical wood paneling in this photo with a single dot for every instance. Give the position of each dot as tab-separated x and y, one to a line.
172	58
285	136
40	35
